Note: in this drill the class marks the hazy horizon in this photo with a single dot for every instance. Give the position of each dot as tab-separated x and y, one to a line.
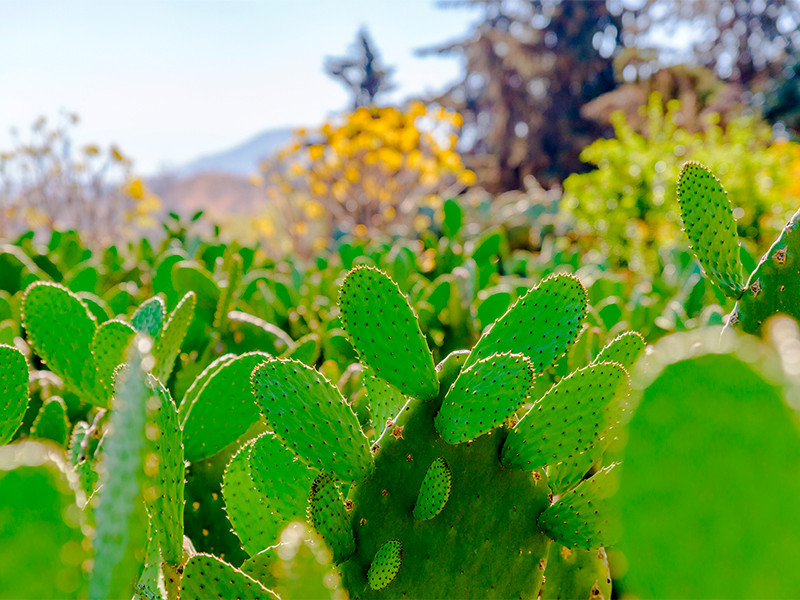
173	81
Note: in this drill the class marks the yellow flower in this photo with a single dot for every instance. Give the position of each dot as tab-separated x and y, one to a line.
316	151
467	177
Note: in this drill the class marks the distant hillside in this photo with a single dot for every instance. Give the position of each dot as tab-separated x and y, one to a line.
217	194
242	159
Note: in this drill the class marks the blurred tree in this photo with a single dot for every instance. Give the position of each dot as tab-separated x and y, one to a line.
744	41
530	66
782	102
362	73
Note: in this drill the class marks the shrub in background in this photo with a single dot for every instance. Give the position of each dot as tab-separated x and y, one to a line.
624	208
364	173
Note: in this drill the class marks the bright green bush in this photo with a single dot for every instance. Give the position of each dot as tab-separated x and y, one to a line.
626	207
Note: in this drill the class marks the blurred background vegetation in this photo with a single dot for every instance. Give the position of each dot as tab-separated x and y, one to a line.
587	107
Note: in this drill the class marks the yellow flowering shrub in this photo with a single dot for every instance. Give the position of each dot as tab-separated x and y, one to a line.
365	173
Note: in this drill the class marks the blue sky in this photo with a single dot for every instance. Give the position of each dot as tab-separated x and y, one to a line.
172	80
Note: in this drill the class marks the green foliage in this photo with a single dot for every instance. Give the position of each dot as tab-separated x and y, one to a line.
624	208
295	409
327	514
67	352
774	286
580	518
483	396
569	419
575	573
222	409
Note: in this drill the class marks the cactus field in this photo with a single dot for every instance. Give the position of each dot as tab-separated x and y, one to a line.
451	415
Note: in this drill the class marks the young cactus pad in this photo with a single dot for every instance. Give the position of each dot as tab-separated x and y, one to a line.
312	418
540	325
708	220
384	330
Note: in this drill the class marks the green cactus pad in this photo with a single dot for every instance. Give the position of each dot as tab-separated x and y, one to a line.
306	350
43	550
149	317
327	514
483	396
282	479
206	577
253	333
188	276
576	573
540	325
300	567
385	565
384	330
223	409
567	420
109	349
13	391
247	511
708	220
205	521
228	292
166	443
434	491
385	401
66	350
687	466
168	345
200	382
260	567
774	286
567	474
121	520
625	349
82	462
581	518
51	423
312	418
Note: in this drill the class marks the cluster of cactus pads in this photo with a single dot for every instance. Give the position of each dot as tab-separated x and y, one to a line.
470	484
773	287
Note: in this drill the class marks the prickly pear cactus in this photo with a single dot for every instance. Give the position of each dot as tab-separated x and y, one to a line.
708	219
13	391
429	509
773	287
